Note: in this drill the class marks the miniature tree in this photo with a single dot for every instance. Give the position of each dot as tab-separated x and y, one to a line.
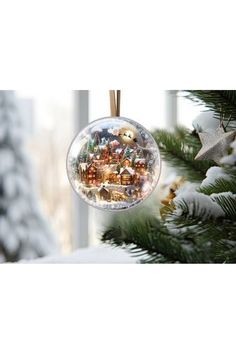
24	233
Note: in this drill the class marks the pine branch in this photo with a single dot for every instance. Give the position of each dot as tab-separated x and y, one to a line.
184	237
179	150
219	101
227	201
149	238
179	240
220	185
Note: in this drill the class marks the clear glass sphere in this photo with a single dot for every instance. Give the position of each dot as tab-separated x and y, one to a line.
114	163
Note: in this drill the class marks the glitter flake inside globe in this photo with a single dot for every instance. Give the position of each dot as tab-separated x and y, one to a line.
114	163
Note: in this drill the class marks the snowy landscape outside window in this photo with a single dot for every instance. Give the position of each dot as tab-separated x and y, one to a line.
49	117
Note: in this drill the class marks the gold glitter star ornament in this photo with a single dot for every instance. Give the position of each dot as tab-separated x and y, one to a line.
215	144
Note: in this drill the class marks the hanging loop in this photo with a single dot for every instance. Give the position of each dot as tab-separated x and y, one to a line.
115	103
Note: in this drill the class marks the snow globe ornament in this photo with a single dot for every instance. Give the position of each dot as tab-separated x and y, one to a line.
113	163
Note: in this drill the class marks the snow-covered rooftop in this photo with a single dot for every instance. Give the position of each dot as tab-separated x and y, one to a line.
140	160
129	169
102	146
83	166
103	188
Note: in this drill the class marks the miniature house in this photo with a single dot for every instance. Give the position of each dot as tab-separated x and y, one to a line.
91	174
140	165
104	193
127	176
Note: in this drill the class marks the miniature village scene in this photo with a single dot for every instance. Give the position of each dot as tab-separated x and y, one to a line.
116	167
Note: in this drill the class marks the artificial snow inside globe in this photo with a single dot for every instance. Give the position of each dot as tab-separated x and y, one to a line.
114	163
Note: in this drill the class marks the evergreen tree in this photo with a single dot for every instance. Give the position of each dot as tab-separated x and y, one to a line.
128	152
91	145
24	233
199	223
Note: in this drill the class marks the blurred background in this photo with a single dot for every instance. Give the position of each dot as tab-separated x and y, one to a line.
52	119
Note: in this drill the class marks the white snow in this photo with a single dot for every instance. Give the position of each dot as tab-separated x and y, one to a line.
102	146
9	184
103	254
187	187
199	205
169	179
230	160
129	169
19	210
12	242
214	173
83	166
103	187
140	160
3	130
7	160
233	146
4	227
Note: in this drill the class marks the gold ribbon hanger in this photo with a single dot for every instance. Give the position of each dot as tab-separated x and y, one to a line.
115	103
